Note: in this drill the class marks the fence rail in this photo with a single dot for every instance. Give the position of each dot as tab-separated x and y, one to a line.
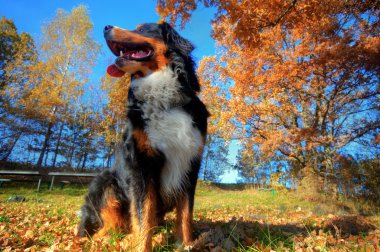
21	174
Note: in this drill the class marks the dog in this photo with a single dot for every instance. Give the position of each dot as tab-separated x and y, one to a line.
159	157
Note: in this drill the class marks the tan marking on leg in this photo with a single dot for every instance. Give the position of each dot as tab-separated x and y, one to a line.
134	217
143	232
184	221
111	215
149	218
178	222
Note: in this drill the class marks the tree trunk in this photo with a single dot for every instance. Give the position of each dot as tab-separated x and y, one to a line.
45	145
108	164
57	146
84	160
10	149
72	151
79	162
46	157
205	167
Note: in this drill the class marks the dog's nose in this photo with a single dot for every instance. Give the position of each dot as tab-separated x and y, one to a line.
107	28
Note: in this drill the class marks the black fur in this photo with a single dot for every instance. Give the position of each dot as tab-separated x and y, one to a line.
90	218
134	169
179	50
182	63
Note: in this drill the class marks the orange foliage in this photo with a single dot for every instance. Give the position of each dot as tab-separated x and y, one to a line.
301	77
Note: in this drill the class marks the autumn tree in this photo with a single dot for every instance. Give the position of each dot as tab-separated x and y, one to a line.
16	51
78	143
215	161
17	54
359	176
253	167
216	158
302	77
113	117
67	53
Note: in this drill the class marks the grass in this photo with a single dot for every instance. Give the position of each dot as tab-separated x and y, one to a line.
224	218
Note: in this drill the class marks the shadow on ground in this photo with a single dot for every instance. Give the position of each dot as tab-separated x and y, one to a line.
238	233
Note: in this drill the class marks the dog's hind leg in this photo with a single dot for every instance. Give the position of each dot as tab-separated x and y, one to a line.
106	207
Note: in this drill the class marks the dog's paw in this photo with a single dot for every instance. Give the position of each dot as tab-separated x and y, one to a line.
182	247
128	243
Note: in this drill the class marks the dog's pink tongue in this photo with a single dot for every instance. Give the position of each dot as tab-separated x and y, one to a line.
114	71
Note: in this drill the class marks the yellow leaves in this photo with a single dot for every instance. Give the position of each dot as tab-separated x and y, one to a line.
54	84
115	111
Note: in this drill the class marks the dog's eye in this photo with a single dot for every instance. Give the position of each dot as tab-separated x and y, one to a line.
141	30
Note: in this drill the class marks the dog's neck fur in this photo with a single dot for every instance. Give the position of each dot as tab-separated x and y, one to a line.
161	90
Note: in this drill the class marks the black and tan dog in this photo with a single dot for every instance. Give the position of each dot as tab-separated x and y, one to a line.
157	164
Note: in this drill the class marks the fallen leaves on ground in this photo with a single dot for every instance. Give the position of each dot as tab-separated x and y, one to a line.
51	226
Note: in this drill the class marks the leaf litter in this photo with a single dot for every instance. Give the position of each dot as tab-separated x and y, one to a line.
52	226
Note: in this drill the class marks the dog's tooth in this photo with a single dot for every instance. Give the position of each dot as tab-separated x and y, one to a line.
121	53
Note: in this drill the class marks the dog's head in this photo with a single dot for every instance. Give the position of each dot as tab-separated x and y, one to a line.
149	48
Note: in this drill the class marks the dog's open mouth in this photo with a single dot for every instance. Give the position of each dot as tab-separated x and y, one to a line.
125	53
129	51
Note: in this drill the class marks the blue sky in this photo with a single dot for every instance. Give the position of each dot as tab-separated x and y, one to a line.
30	16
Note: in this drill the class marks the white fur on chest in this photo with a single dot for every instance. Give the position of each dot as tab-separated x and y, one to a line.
172	132
159	90
169	128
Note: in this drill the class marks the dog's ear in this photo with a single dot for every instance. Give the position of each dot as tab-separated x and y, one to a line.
174	40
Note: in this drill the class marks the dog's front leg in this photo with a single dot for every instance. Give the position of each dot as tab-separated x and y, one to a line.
184	219
144	218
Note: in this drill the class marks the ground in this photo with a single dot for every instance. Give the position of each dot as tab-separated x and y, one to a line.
225	219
